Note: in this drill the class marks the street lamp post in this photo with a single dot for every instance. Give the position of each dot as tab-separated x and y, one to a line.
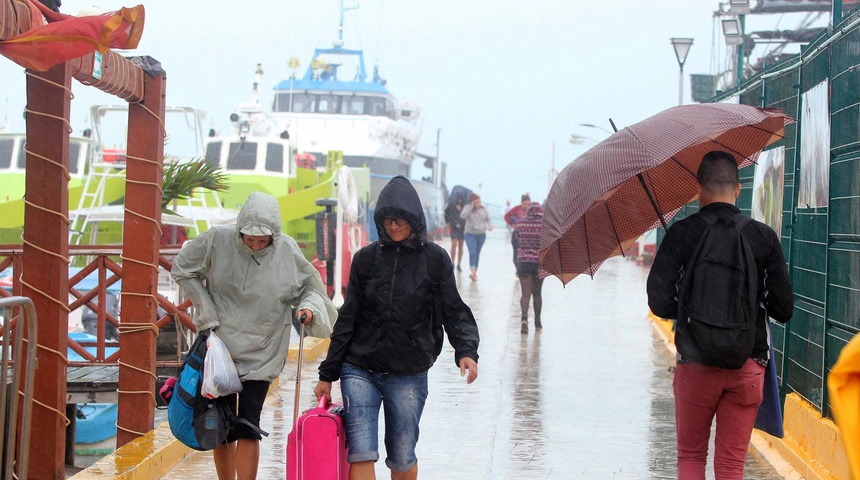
591	125
682	48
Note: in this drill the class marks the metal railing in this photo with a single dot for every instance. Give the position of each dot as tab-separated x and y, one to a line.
13	441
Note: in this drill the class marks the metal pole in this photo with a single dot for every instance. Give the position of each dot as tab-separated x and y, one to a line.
739	76
681	87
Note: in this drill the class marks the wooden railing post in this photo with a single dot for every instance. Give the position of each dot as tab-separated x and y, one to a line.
141	233
45	257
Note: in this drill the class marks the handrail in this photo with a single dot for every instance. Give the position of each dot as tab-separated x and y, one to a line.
109	272
10	427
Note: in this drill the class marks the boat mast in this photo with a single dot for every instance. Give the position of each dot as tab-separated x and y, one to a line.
343	9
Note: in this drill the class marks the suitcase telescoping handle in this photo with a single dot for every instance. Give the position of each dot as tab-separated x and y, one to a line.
299	368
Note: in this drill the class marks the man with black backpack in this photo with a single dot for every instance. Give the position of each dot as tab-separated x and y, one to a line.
720	275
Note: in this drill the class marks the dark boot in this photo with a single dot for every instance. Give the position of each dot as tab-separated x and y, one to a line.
524	326
538	325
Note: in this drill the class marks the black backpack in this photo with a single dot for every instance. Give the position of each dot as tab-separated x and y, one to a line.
717	303
195	420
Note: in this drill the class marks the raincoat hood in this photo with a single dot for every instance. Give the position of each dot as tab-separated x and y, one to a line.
260	215
400	199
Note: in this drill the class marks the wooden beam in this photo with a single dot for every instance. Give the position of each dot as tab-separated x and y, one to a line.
14	18
141	234
46	269
119	76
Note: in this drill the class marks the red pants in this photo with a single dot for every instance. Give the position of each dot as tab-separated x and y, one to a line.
733	396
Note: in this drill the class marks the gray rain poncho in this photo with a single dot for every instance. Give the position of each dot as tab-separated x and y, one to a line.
246	295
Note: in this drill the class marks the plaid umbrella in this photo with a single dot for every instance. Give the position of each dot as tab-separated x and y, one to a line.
639	177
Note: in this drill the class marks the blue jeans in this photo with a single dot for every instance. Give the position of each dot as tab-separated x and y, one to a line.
402	396
475	243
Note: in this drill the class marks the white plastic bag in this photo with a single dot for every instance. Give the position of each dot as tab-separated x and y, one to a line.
219	372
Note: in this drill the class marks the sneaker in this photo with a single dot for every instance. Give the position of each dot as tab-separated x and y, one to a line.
459	269
524	327
473	277
538	325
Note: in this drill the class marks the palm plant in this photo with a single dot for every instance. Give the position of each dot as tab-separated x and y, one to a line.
180	180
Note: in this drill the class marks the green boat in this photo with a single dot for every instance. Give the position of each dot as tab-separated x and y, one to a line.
82	164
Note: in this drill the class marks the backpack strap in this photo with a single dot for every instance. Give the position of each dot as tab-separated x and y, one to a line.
232	419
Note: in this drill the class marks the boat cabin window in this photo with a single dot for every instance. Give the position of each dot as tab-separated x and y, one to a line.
213	153
22	155
275	157
352	106
329	103
74	156
242	156
303	103
6	147
376	106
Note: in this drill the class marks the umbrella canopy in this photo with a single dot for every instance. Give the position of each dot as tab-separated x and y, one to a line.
639	177
459	193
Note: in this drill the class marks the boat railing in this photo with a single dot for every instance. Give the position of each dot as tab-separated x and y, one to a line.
91	285
16	396
92	196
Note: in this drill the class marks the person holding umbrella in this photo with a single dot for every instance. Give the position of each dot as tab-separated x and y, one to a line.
456	226
478	222
703	392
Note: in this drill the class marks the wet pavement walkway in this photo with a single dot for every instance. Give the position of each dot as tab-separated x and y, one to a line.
589	397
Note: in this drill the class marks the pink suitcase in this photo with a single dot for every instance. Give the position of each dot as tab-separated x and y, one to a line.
316	447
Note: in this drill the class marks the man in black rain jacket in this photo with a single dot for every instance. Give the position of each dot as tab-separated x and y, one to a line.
390	330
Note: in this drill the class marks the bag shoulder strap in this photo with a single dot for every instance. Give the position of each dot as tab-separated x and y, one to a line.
231	417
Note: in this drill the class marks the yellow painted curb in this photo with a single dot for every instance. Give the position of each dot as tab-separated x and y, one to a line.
314	348
157	452
144	458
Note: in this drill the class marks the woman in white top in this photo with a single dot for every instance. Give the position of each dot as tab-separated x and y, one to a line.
478	222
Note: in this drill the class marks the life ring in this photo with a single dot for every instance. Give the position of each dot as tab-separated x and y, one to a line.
347	197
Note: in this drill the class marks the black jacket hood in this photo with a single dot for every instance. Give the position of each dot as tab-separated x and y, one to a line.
400	199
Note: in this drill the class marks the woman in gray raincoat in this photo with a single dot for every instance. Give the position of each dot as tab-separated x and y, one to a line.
244	280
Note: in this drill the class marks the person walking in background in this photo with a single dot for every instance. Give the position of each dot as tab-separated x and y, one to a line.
513	216
704	391
244	280
389	332
478	222
505	210
456	226
528	266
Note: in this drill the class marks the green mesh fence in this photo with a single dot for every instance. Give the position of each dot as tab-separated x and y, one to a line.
821	242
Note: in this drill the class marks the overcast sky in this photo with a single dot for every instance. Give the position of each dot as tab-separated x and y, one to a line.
504	80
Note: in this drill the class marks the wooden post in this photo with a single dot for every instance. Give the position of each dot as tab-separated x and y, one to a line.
141	234
46	268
